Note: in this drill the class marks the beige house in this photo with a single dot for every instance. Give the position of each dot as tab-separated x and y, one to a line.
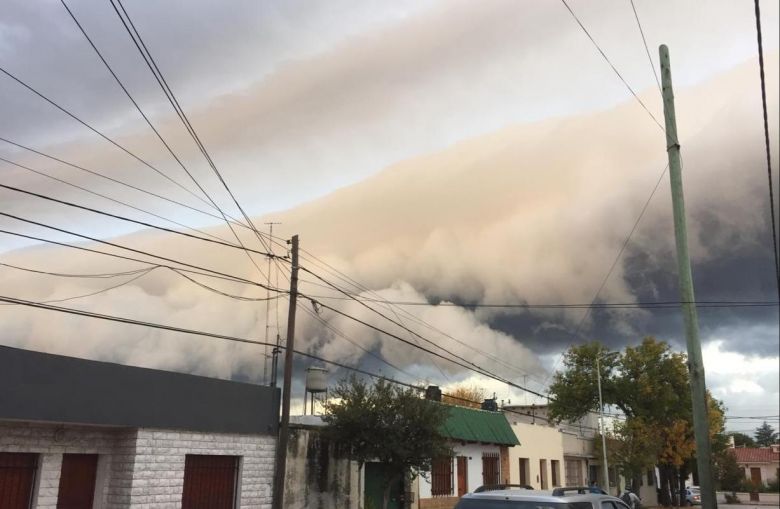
760	464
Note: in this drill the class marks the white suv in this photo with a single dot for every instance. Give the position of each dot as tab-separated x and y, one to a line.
560	498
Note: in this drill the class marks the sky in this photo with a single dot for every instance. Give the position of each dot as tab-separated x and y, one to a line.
454	153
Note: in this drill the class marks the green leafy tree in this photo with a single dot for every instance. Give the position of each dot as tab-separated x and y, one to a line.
742	440
648	383
633	448
765	435
386	423
729	476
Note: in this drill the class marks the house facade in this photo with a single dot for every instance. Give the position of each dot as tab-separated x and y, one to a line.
79	433
760	464
481	441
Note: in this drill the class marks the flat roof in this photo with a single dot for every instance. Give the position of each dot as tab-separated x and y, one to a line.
43	387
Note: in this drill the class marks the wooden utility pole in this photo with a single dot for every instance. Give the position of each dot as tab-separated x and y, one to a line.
695	363
275	352
284	425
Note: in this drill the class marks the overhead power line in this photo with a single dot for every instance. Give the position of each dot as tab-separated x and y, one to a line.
92	294
198	270
127	22
647	50
766	144
100	133
105	197
162	140
599	305
614	69
134	221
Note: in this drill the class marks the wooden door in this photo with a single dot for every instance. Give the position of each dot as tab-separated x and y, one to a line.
77	481
524	480
463	475
209	482
755	476
17	478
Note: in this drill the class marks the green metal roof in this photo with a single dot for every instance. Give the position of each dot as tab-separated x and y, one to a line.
472	425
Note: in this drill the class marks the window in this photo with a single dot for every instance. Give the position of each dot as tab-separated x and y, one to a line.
441	477
209	482
525	475
77	481
17	478
573	473
491	468
555	465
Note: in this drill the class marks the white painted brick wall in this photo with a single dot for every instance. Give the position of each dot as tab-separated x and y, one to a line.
159	466
145	467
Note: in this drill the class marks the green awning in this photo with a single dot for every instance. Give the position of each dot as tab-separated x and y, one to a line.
482	426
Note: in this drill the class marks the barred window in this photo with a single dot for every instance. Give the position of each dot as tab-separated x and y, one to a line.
491	469
441	477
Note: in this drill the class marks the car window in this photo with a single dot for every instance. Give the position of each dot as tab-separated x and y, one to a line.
609	504
474	503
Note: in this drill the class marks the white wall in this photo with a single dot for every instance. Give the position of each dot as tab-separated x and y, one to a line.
474	463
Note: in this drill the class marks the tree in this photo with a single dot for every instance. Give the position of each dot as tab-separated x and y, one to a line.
465	395
742	440
729	476
633	448
386	423
648	382
765	435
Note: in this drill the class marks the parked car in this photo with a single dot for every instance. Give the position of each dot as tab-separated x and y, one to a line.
691	496
560	498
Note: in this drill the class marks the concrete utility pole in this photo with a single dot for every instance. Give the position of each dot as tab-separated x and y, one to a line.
284	426
603	429
695	364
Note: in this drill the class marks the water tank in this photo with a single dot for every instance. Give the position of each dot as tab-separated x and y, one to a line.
316	380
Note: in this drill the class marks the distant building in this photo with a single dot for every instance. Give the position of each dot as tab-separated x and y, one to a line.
79	433
760	464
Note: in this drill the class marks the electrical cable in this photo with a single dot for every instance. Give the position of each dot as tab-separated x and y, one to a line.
91	294
134	221
612	267
160	78
199	270
114	200
766	144
104	275
99	133
614	69
647	50
159	136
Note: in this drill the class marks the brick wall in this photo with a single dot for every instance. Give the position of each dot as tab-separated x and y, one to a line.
51	442
159	466
438	502
139	467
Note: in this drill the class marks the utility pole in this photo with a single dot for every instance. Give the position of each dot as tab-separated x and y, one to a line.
695	364
268	313
603	429
284	426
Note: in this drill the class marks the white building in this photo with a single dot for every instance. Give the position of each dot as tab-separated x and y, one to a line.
85	434
481	441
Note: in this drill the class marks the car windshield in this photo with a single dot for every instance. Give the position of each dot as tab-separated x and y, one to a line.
474	503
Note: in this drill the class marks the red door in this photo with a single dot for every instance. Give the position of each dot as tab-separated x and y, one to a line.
77	481
209	482
463	476
17	478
